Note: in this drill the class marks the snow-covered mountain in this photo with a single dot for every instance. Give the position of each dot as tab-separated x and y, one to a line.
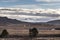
31	15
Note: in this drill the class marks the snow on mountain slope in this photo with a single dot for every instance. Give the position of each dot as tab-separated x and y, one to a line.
31	15
30	18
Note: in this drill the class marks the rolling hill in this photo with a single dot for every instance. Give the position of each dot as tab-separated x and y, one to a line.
6	21
54	22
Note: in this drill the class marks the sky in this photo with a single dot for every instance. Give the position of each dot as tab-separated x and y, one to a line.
53	4
32	4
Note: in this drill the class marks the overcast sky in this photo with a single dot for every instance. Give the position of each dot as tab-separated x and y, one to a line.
54	4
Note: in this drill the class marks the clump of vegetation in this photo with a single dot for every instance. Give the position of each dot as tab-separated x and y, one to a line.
33	32
4	33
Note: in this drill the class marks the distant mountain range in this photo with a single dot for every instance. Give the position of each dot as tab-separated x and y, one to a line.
5	20
54	22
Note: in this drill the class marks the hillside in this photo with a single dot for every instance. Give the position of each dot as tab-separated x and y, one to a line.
54	22
5	21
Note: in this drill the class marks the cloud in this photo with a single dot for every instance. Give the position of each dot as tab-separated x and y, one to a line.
43	0
47	0
35	6
8	0
27	6
31	4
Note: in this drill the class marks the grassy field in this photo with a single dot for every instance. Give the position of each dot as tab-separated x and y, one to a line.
23	29
37	38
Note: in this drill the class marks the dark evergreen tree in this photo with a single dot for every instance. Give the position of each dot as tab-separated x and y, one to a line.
4	33
33	32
